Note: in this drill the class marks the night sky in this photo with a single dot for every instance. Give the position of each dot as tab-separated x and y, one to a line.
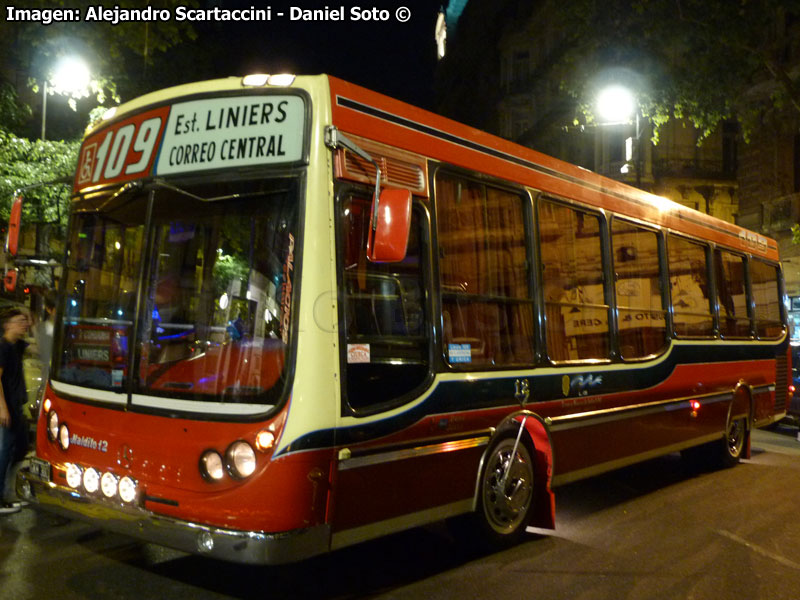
392	57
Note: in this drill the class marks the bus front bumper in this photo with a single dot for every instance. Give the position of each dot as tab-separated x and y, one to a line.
249	547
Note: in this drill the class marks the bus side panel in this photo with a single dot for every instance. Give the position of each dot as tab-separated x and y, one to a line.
378	492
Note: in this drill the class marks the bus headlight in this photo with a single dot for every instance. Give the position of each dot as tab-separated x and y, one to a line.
127	489
91	480
241	459
108	484
74	476
63	436
211	466
52	426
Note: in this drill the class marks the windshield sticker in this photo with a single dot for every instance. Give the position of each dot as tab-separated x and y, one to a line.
459	353
358	353
286	291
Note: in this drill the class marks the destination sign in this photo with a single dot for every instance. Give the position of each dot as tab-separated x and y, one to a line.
198	135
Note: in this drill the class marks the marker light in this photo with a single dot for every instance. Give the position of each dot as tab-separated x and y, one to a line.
695	404
108	484
241	459
74	475
255	79
91	480
264	440
47	405
52	426
281	79
211	466
63	436
127	489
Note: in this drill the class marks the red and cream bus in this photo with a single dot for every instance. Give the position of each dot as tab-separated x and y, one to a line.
296	314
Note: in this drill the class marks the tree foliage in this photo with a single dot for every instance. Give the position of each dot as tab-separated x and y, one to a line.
117	54
702	60
24	162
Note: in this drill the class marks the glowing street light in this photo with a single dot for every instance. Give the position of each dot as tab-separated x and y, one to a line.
616	105
71	77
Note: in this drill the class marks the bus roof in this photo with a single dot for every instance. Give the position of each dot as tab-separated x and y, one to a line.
372	115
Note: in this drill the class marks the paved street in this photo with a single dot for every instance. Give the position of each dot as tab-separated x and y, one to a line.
651	531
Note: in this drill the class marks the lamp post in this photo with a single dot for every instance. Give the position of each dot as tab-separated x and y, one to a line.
70	77
616	105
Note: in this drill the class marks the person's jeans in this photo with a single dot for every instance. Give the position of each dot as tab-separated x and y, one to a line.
13	445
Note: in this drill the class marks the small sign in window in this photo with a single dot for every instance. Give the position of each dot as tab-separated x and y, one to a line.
459	353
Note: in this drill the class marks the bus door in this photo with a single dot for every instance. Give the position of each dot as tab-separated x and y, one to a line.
385	316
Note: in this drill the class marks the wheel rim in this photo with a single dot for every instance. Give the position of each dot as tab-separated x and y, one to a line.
506	503
735	438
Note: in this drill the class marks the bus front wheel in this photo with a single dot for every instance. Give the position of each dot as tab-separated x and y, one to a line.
505	496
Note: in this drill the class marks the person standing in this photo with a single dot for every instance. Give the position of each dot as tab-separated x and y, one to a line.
13	428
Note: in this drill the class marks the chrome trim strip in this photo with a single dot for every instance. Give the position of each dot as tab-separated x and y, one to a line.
395	455
249	547
598	417
363	533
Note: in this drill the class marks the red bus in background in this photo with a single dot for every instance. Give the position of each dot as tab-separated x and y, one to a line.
296	314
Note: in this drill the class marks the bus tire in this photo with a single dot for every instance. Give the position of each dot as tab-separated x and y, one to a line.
732	446
503	509
721	454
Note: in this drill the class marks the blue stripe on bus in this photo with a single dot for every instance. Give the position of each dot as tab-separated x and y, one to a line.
487	393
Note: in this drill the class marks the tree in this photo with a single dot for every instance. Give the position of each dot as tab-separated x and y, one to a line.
702	60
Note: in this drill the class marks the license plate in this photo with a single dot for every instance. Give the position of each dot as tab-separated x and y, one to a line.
40	469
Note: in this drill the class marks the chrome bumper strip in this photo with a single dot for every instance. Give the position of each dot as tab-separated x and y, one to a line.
250	547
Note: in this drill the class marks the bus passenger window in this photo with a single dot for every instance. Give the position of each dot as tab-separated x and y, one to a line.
734	321
767	299
487	311
688	276
572	274
385	324
640	307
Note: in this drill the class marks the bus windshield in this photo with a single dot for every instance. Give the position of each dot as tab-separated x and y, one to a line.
210	287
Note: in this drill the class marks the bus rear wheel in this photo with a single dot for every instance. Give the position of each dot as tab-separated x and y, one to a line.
734	443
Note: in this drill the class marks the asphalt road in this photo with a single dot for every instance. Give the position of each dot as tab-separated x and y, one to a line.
652	531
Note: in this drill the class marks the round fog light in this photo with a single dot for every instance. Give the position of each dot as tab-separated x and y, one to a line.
205	543
91	480
108	483
127	489
241	459
74	475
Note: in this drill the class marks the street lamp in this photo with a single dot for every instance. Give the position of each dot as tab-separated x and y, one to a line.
616	105
71	77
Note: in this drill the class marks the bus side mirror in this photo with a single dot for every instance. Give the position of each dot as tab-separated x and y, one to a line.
10	280
12	244
389	226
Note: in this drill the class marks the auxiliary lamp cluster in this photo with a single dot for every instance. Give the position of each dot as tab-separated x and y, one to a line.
88	479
